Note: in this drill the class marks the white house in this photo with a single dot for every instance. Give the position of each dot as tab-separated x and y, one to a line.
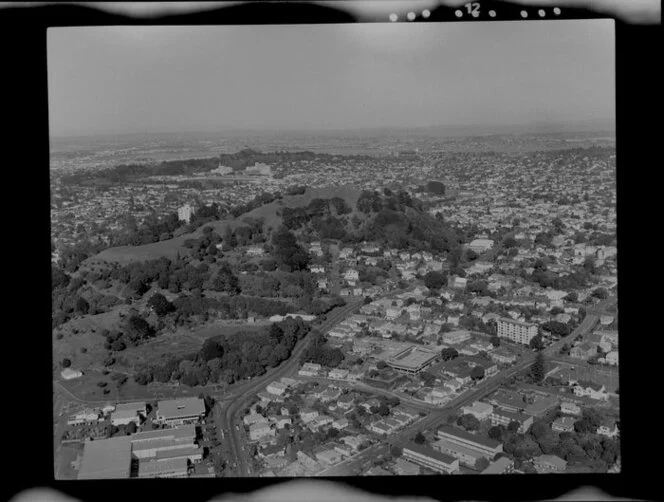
260	430
481	245
608	430
351	275
481	411
276	388
70	374
591	390
309	369
392	312
340	423
255	251
254	418
280	421
338	374
570	408
308	415
612	357
85	416
128	412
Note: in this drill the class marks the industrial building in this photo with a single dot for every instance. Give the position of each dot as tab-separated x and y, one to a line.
431	459
483	445
106	459
413	359
180	411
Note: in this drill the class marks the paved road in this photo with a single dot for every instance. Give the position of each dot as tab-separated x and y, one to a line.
231	424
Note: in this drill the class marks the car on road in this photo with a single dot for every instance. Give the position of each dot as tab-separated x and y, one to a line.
237	427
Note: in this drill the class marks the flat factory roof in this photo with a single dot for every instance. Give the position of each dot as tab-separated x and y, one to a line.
106	459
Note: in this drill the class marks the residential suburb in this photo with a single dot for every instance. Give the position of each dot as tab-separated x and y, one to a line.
324	306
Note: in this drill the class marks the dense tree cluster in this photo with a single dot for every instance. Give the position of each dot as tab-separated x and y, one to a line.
436	187
226	359
235	307
160	305
258	201
134	331
320	353
556	328
287	252
59	279
578	279
538	369
415	230
469	422
435	280
582	447
152	230
324	216
449	353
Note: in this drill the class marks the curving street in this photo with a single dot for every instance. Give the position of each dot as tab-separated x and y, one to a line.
229	419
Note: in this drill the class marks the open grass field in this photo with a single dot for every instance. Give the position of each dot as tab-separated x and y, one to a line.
184	341
68	454
602	376
85	333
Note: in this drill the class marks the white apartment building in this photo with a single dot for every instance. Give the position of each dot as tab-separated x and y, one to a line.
185	213
517	331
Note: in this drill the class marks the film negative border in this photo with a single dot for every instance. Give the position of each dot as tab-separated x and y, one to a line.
489	11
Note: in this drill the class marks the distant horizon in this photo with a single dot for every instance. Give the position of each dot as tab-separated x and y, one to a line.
581	126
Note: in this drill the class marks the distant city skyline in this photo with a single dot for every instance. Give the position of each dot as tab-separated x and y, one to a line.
332	78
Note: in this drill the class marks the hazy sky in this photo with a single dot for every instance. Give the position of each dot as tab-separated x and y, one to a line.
178	79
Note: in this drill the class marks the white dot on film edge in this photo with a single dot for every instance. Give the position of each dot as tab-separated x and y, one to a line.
541	12
476	14
458	13
426	13
524	13
556	11
393	17
492	13
411	16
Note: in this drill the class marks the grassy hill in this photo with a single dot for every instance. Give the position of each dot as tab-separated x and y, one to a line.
269	212
397	226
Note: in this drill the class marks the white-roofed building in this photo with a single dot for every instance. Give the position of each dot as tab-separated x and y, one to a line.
260	430
70	374
129	412
180	411
276	388
480	410
481	245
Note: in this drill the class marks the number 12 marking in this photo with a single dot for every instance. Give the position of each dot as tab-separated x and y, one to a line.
473	8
